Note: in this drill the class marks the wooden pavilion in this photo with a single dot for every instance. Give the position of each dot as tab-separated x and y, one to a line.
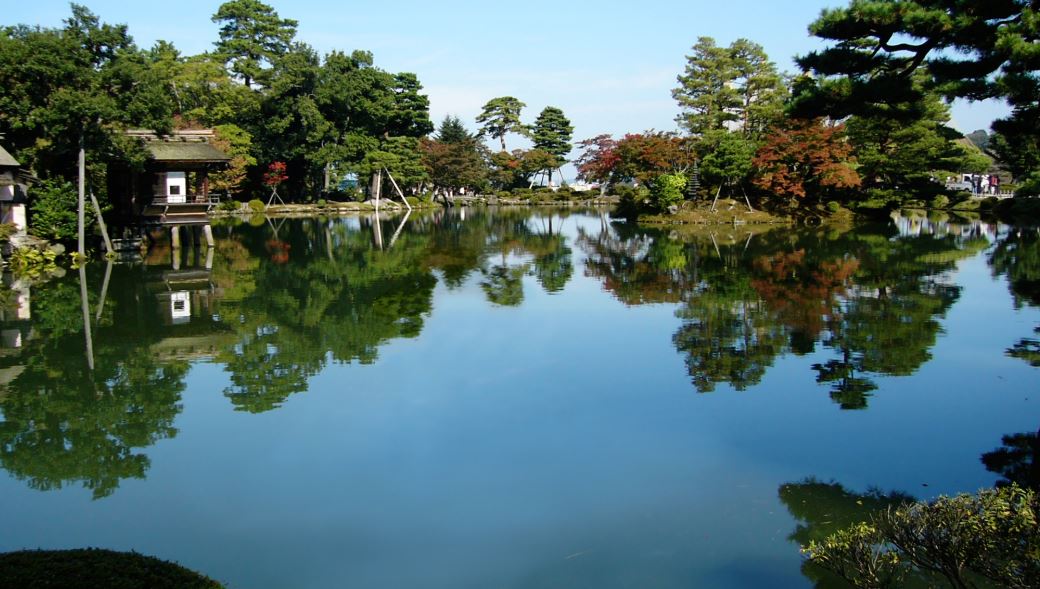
14	186
173	188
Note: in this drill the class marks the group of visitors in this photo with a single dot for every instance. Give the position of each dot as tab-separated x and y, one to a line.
977	184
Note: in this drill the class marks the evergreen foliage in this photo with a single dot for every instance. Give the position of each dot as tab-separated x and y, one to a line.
252	38
501	116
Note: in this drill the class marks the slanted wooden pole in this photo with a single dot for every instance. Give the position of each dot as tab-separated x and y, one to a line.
101	223
104	290
399	228
717	192
207	230
398	188
748	201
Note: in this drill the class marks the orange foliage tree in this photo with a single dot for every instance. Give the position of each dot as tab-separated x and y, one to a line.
802	156
645	156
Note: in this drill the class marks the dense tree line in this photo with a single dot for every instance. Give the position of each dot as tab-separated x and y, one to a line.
270	98
866	120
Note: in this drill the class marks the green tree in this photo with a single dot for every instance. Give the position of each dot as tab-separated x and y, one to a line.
895	150
501	116
552	133
252	37
759	86
78	85
706	94
237	143
727	158
974	49
453	131
667	190
52	211
410	115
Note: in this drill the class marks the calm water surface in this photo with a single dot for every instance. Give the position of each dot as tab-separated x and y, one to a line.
513	398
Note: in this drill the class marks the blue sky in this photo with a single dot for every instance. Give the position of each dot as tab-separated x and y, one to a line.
609	65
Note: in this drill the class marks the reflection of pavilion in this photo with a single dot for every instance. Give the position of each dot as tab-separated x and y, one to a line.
183	294
15	327
185	301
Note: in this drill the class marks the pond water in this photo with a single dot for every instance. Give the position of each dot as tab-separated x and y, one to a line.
514	398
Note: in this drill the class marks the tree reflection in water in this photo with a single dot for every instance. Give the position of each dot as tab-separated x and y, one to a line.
872	296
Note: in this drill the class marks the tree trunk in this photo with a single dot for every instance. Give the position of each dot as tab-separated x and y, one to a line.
502	138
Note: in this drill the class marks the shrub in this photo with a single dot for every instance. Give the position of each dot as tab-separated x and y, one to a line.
994	535
940	202
833	207
228	205
53	210
257	206
94	567
6	231
33	262
632	200
667	190
321	202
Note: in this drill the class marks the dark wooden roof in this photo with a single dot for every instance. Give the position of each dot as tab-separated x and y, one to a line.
185	151
186	146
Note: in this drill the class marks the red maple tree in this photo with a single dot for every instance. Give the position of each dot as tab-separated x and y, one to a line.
275	174
802	156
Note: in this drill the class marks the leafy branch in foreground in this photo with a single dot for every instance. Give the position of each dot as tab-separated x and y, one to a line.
964	540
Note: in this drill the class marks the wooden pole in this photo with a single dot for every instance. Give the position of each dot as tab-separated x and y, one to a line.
104	290
399	228
101	223
81	223
378	230
746	199
207	230
398	188
86	315
717	192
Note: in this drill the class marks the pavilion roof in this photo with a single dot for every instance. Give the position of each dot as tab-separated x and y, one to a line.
6	159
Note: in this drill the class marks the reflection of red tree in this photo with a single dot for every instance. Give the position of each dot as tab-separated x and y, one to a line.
804	293
640	283
279	250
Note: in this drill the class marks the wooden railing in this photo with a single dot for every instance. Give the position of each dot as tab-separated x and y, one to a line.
191	199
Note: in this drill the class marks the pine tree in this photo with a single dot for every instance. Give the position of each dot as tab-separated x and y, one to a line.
252	36
552	133
500	116
453	131
705	93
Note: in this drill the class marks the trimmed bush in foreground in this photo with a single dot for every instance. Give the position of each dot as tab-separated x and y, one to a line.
94	567
961	542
